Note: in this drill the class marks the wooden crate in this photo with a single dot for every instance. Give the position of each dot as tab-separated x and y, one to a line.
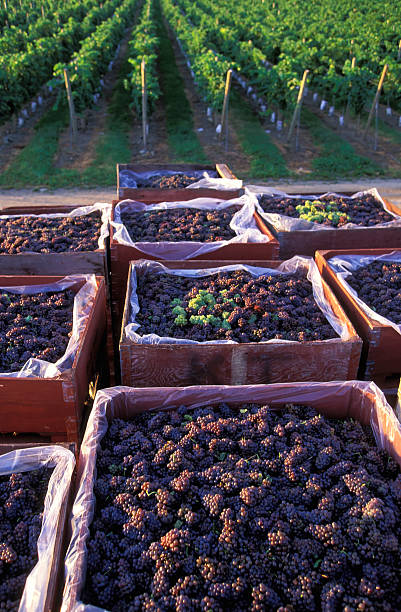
381	351
53	406
56	572
83	262
306	242
175	195
358	400
146	365
121	255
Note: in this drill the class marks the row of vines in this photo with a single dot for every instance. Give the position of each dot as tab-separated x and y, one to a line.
272	43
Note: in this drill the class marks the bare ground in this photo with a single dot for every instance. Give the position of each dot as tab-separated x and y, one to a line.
13	138
92	123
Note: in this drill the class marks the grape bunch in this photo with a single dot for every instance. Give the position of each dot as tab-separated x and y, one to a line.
49	234
34	325
21	510
231	306
244	508
179	224
334	211
378	284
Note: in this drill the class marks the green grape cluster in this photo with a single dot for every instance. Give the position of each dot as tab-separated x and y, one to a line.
317	211
202	300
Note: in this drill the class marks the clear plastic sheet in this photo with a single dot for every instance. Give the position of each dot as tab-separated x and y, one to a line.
83	303
360	400
62	460
243	225
283	223
345	265
287	267
81	211
207	179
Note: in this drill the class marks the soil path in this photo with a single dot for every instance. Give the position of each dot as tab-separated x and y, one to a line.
21	197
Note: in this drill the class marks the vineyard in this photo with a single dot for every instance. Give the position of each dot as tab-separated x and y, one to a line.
128	102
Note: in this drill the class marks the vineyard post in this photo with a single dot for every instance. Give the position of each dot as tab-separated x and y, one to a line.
376	99
399	51
43	11
224	114
73	118
297	111
144	105
376	125
349	93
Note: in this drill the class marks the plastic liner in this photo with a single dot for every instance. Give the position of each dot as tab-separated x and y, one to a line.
345	265
83	303
283	223
81	211
287	267
25	460
207	179
360	400
243	225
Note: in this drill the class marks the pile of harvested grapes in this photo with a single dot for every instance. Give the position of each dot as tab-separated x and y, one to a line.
179	224
34	325
334	211
231	306
246	508
21	511
50	235
174	181
378	284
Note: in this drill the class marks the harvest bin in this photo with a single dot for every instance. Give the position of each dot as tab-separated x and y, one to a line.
361	401
220	189
306	241
121	253
68	262
51	403
381	351
42	585
151	364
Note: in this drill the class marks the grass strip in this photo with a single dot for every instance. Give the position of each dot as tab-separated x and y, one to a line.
182	140
337	157
264	157
34	164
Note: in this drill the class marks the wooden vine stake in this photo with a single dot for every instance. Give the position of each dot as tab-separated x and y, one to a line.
73	118
399	51
297	110
376	99
349	93
144	106
224	114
